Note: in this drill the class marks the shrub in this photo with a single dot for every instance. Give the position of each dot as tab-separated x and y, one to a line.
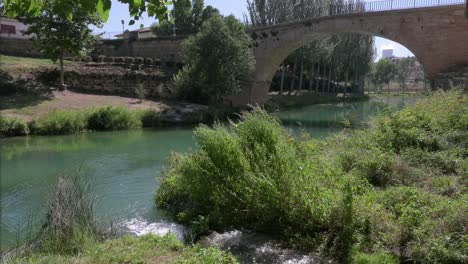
119	60
111	117
150	118
101	59
157	62
253	176
87	59
10	127
129	60
139	60
110	59
59	123
149	61
140	92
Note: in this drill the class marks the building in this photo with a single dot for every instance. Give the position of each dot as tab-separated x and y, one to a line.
387	53
142	33
12	28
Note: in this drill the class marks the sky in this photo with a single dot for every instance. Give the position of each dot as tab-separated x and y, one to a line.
227	7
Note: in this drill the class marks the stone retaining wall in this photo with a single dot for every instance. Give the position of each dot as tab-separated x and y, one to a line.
115	80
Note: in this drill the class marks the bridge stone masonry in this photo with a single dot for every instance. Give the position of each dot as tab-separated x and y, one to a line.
437	35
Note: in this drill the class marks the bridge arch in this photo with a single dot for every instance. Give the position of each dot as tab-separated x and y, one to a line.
437	36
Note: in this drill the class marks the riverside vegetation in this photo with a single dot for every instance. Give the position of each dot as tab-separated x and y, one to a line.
395	192
72	121
71	234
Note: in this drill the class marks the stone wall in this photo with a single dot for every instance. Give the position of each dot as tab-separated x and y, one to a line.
115	79
166	49
457	77
19	47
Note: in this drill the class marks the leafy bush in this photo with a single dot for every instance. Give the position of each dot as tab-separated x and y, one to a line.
10	127
256	176
60	123
139	60
112	117
150	118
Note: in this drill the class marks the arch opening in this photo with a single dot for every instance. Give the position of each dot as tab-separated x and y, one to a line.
344	64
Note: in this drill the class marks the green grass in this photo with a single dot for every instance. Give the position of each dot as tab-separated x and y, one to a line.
149	249
398	186
19	65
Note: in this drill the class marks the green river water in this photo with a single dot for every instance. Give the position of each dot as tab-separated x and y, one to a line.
126	164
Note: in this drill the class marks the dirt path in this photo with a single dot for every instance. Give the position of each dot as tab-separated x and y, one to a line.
30	107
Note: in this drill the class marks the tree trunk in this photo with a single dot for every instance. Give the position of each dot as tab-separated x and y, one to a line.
329	77
301	78
346	83
317	79
282	80
62	74
311	77
293	81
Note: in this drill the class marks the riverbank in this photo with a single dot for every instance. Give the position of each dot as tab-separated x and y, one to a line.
390	193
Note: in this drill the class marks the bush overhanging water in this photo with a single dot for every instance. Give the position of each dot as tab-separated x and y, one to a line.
393	191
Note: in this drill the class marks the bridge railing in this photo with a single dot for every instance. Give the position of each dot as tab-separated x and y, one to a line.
387	5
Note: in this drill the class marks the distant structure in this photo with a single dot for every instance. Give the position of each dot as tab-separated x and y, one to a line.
142	33
12	28
387	53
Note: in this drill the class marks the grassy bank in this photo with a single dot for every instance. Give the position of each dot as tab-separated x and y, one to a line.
308	98
395	192
76	121
148	249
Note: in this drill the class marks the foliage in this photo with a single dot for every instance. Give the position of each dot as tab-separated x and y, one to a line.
219	61
16	8
396	189
385	71
141	92
112	118
10	127
188	18
259	178
59	33
376	258
61	122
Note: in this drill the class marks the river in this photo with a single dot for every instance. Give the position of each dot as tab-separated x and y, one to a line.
126	164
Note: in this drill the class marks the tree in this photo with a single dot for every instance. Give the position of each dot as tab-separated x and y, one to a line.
58	35
218	61
188	18
385	71
404	70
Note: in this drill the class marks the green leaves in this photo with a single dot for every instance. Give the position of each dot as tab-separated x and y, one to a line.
18	8
103	8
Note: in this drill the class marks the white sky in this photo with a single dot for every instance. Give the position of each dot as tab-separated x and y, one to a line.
227	7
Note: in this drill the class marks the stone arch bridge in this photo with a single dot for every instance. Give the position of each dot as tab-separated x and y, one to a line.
437	35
